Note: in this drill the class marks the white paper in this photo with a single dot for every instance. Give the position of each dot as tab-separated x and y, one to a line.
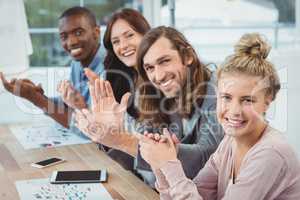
45	136
41	189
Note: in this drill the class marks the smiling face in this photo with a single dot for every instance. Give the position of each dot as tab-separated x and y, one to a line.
241	104
125	42
164	68
79	38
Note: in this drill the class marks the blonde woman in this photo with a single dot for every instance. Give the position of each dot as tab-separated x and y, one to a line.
254	161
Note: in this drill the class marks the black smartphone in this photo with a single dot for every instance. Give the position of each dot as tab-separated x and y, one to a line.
48	162
89	176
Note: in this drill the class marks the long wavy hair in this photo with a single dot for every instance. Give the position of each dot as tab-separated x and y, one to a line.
195	87
121	76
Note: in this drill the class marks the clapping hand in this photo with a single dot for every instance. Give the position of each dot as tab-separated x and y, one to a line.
22	87
157	150
161	138
92	76
104	122
70	95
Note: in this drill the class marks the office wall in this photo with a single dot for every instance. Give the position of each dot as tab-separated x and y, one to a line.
289	59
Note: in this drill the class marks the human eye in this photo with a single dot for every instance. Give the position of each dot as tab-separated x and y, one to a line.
63	36
148	68
115	42
78	32
248	100
225	98
165	61
130	34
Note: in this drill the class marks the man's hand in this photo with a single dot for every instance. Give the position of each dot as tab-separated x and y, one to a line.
70	96
103	133
104	105
92	76
104	123
157	153
22	87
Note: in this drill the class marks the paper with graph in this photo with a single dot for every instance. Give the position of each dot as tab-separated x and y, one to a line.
41	189
46	136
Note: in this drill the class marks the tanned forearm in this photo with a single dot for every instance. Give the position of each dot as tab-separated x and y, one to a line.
60	113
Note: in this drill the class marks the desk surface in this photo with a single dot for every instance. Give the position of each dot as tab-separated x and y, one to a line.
15	165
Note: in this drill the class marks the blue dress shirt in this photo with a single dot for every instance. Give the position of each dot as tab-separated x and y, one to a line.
78	78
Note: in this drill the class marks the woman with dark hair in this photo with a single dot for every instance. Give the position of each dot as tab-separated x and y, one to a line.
124	32
132	25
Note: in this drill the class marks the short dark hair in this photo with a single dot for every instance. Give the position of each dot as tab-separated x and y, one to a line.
83	11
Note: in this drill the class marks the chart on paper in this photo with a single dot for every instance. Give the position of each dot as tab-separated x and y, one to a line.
41	189
45	136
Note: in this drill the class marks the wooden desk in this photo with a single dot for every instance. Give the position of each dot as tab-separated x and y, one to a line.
15	165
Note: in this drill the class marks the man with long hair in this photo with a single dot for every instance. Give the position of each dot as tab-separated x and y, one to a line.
175	91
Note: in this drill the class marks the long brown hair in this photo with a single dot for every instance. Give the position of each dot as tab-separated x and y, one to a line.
136	21
151	108
112	64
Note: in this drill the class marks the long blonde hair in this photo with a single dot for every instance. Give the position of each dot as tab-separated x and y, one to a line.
250	57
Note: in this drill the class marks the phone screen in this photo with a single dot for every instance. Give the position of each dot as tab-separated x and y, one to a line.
78	175
48	161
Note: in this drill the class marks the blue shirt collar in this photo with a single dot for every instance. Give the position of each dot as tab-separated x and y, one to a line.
78	78
96	65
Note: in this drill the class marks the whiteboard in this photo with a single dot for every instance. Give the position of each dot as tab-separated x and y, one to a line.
15	42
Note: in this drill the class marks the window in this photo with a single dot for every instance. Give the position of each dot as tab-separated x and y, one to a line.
214	26
42	19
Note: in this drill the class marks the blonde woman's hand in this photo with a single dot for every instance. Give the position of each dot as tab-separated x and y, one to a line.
161	138
156	153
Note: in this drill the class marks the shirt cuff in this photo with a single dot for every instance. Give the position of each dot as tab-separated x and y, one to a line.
173	172
161	183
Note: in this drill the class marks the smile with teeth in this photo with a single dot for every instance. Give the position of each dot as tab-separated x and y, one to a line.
128	53
235	123
166	83
76	51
